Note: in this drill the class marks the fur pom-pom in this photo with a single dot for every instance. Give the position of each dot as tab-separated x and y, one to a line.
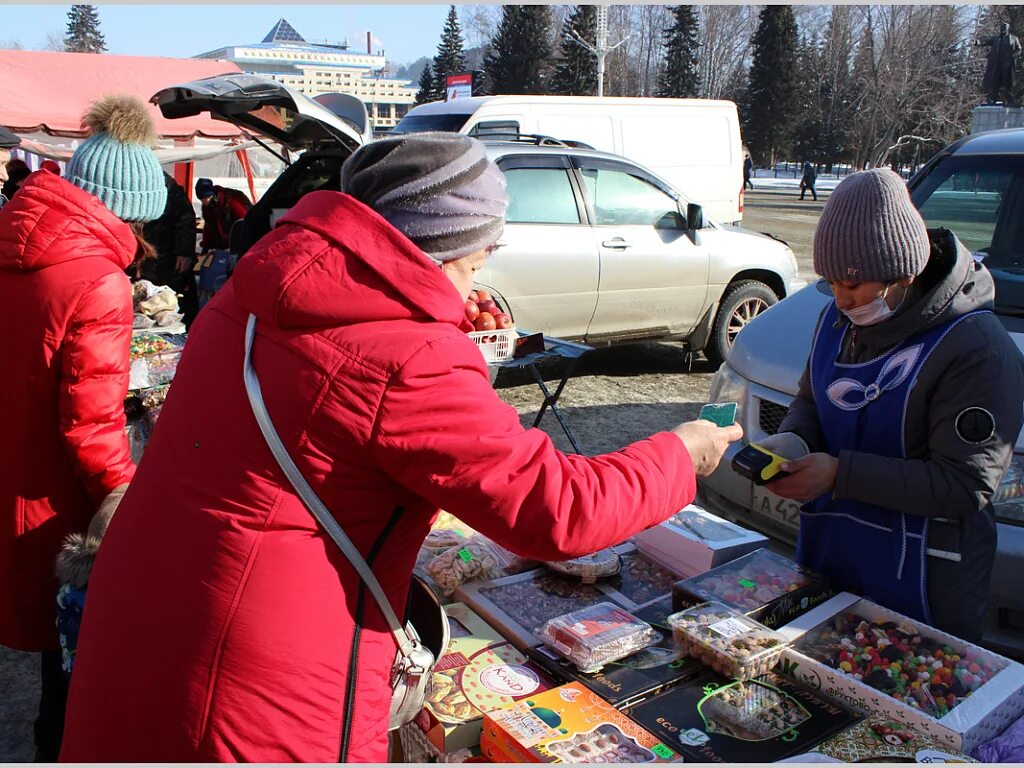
74	562
122	117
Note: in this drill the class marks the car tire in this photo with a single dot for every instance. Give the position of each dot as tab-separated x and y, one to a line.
741	303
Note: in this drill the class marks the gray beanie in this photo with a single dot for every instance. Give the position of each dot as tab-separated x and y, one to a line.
438	189
871	231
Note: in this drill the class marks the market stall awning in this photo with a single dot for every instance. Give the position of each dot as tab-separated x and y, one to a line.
41	91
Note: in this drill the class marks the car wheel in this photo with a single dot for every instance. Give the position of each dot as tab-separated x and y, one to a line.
741	303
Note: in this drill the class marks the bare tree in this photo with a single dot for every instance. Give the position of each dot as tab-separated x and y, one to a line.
725	46
54	42
11	45
479	23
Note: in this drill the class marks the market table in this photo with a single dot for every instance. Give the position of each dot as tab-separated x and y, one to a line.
569	353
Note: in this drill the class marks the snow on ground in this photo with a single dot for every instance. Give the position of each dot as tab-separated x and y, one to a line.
765	179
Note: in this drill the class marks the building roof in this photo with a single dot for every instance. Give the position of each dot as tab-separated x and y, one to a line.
283	32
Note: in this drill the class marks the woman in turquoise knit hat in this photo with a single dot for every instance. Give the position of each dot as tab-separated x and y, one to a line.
66	310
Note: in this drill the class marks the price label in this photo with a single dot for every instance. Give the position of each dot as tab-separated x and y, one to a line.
746	583
465	555
729	627
663	752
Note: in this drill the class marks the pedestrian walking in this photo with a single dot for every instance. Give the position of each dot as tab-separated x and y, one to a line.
748	171
355	309
907	411
808	180
66	310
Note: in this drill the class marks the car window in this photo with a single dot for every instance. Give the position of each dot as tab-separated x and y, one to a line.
540	196
621	198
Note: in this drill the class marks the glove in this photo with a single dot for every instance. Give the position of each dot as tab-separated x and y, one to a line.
74	563
788	445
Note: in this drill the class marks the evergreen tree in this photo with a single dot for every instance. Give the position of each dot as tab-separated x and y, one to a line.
679	76
808	129
426	92
83	34
520	50
450	58
575	73
768	121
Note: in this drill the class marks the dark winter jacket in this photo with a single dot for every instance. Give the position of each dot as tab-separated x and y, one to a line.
810	175
223	624
172	235
227	207
946	477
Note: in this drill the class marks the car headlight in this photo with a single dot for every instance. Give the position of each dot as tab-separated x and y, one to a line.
727	386
1008	499
793	261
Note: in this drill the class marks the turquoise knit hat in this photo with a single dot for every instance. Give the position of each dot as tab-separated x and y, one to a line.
116	163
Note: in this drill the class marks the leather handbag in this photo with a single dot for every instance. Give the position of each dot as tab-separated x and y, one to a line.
414	661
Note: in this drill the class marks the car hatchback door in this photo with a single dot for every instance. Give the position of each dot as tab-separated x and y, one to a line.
653	276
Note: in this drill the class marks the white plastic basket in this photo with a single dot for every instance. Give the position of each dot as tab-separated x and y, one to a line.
496	346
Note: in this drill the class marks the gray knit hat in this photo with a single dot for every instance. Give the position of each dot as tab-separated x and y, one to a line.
870	231
438	189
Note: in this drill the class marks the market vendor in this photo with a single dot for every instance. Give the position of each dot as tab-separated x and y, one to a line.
223	623
907	413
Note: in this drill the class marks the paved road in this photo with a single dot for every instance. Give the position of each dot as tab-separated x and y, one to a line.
782	214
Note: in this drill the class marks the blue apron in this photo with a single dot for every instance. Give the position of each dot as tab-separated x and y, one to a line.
866	549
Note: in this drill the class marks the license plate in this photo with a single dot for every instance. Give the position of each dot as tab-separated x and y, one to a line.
767	504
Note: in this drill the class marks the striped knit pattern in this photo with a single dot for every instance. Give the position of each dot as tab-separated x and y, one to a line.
438	189
870	231
126	177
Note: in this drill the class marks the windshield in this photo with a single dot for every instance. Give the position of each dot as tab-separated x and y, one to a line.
981	199
422	123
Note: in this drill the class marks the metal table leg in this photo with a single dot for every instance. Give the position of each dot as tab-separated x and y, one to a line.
551	400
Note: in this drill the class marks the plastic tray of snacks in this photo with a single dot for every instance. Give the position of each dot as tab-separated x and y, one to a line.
590	568
597	635
496	346
641	579
765	586
726	640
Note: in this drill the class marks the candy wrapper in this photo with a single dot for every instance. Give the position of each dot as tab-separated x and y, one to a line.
726	640
598	635
590	568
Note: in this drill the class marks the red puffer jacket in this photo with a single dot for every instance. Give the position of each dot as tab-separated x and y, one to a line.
66	315
222	623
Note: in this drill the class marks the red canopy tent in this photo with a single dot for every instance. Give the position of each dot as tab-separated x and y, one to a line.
46	92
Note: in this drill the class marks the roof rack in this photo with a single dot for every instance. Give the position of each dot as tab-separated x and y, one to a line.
529	138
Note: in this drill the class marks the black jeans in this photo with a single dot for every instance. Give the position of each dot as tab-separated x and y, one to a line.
49	726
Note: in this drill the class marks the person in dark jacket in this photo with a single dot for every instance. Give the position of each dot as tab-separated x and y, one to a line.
748	171
173	237
222	207
907	412
808	180
8	141
17	172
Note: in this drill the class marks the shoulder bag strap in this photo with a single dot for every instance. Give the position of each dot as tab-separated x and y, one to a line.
311	500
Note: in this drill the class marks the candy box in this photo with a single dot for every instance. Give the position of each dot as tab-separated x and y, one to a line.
712	719
569	724
694	541
878	740
726	640
596	635
765	586
639	676
641	580
479	672
518	606
880	662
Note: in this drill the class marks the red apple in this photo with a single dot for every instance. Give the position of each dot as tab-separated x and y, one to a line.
472	311
485	322
482	295
474	297
489	305
503	321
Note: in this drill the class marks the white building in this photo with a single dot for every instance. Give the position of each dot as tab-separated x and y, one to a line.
285	56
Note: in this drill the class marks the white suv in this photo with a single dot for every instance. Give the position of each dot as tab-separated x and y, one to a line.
596	248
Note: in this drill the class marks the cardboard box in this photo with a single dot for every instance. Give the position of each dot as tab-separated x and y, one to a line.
569	724
635	678
713	719
996	701
479	672
765	586
878	740
642	580
518	606
695	541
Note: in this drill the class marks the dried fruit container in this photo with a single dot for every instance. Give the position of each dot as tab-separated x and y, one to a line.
598	635
727	641
590	568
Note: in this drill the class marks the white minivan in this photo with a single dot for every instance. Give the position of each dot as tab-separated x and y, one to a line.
694	144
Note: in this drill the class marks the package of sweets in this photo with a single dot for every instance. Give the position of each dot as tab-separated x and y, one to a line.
597	635
727	641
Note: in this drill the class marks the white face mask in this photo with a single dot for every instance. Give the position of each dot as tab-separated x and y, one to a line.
871	313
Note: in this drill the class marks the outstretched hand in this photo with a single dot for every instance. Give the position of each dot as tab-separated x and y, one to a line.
809	477
707	443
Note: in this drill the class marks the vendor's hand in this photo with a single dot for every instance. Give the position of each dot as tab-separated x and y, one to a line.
706	443
809	477
183	264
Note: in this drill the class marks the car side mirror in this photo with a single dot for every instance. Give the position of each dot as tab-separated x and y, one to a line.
694	217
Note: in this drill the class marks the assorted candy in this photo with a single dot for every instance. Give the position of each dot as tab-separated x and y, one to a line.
144	344
726	640
598	635
605	744
897	659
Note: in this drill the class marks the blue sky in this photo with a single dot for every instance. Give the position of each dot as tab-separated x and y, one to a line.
405	32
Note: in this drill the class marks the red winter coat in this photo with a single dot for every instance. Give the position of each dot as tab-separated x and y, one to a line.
222	624
66	320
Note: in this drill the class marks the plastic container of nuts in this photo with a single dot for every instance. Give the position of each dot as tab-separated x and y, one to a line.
598	635
590	568
726	640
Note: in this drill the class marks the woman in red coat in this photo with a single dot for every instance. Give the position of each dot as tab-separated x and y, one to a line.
223	624
66	314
